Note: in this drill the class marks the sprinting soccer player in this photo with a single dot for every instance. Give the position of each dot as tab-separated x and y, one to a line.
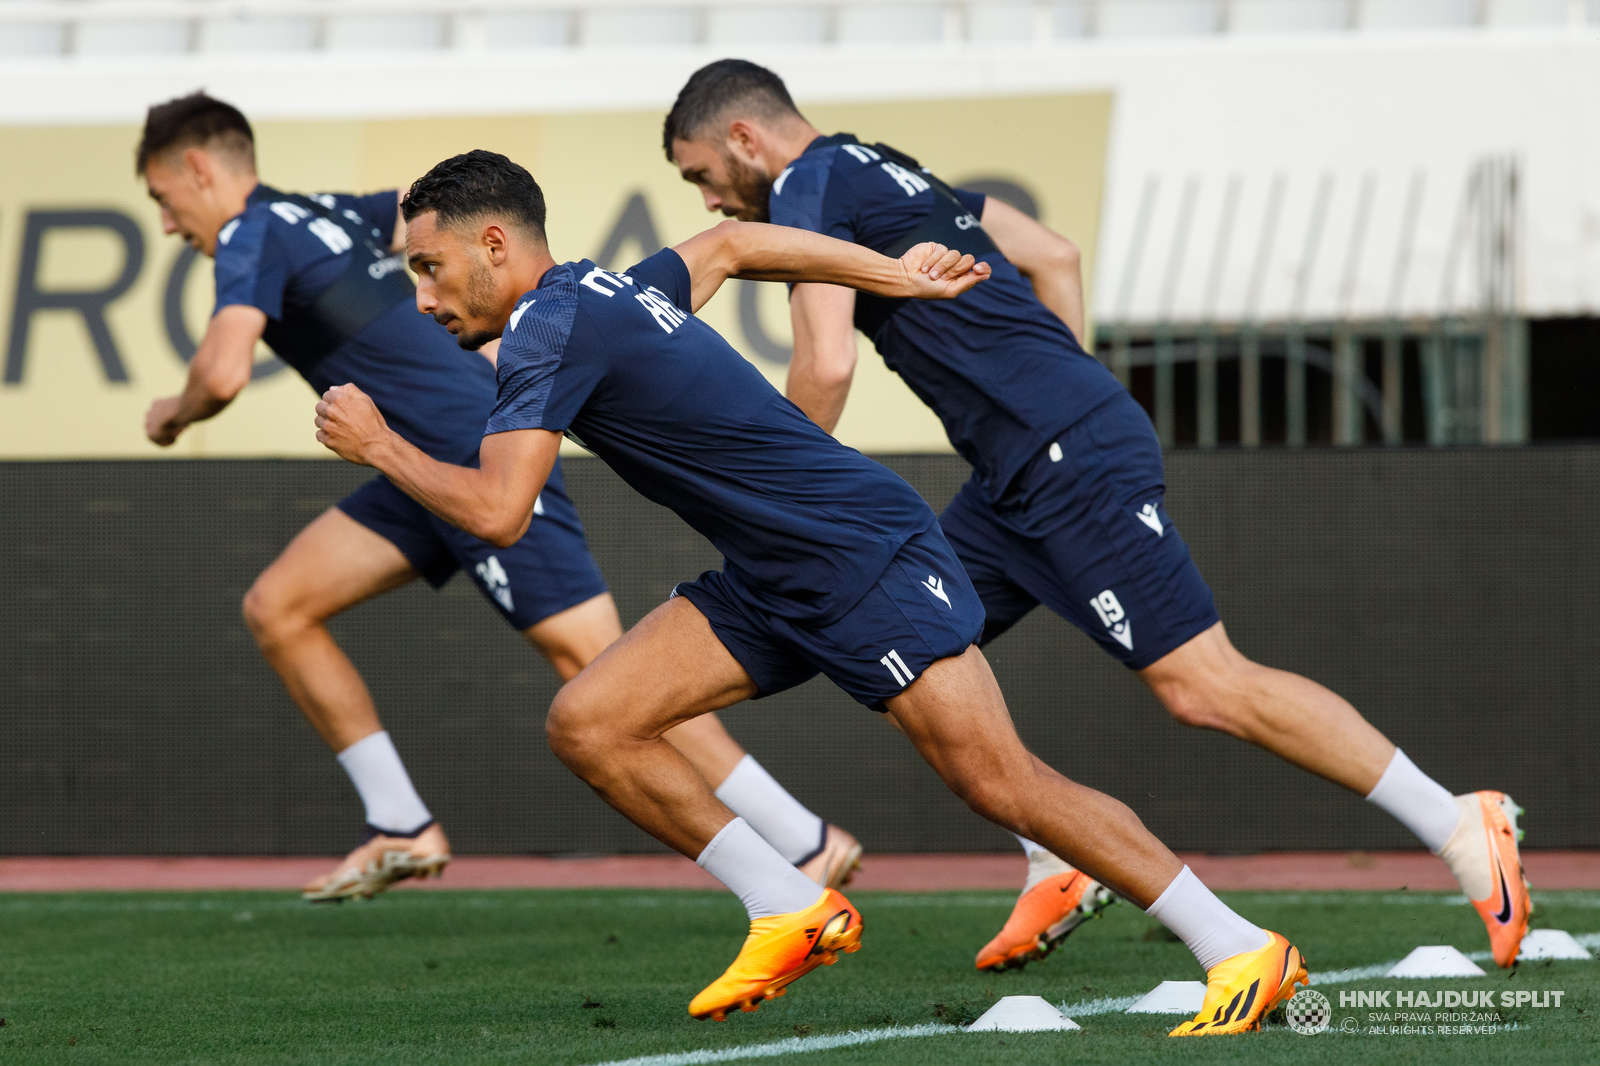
833	564
1065	504
316	278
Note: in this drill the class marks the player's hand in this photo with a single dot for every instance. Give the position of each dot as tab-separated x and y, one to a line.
350	424
160	422
934	272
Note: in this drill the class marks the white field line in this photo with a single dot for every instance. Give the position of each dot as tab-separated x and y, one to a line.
796	1045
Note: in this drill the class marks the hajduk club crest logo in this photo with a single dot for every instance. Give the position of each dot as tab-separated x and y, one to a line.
1308	1012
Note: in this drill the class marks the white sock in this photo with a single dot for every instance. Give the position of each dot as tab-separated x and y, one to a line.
380	777
783	821
1420	803
1467	850
765	882
1028	846
1206	925
1042	863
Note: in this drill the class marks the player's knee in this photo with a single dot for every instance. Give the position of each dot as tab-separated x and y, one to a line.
1216	699
575	731
264	613
1000	797
272	615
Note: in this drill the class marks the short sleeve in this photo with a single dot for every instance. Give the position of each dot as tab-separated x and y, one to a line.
806	196
252	265
972	201
667	272
542	384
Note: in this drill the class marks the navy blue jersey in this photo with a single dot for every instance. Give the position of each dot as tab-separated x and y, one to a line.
279	256
1002	372
618	362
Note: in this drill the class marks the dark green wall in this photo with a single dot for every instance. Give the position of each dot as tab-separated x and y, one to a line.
1452	595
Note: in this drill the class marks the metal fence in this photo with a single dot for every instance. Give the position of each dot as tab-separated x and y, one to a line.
1471	367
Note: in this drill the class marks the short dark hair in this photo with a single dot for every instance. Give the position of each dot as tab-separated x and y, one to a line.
193	121
715	89
474	184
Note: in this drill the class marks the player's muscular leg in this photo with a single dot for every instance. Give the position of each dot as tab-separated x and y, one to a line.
956	717
606	725
332	565
1207	683
574	638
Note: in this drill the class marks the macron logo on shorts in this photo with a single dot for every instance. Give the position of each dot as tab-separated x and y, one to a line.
936	586
1148	516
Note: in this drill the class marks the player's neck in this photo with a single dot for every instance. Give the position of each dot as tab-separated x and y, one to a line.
233	190
787	144
526	275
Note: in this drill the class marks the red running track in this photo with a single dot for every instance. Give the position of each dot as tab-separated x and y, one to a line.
1303	870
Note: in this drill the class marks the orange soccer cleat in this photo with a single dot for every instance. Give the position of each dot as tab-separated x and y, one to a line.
1482	852
780	950
1240	990
1042	918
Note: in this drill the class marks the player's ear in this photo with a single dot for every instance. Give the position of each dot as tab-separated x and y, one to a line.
493	240
744	139
199	165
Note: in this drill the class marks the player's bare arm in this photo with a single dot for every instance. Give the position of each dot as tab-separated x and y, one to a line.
493	502
760	252
219	370
1049	261
824	361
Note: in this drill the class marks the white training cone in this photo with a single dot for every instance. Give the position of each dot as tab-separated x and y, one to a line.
1172	997
1551	944
1436	960
1021	1014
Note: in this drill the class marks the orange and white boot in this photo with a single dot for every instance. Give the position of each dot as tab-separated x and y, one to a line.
1483	854
380	861
836	862
1241	989
1046	912
780	950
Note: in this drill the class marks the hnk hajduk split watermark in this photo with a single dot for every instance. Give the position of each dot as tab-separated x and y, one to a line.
1420	1012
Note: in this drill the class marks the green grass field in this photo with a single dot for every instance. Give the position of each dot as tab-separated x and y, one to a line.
594	976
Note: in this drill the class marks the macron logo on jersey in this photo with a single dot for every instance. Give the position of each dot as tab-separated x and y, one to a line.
936	586
516	316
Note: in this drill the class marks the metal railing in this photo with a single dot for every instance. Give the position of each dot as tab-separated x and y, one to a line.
1470	361
1471	375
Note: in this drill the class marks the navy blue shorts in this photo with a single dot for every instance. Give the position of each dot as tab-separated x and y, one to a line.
1084	530
546	572
921	610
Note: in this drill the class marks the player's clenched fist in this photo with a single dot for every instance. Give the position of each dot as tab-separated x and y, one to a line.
934	272
349	424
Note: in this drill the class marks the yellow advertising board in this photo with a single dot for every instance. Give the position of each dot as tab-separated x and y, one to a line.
103	310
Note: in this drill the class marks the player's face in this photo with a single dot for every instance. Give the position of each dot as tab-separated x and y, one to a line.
455	282
185	208
727	183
